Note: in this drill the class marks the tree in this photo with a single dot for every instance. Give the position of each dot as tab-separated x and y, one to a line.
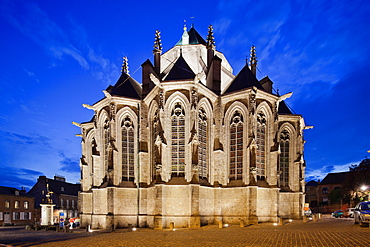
358	176
335	196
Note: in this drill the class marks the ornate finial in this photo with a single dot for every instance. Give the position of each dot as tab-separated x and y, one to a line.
210	38
125	66
185	35
157	42
253	61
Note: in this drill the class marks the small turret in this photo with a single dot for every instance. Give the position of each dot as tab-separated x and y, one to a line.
157	51
210	46
185	36
125	66
253	61
213	64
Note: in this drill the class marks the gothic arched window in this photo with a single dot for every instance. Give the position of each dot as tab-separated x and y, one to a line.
178	141
261	146
236	147
202	147
284	158
128	149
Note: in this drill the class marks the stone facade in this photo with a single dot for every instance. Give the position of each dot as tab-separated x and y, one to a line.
192	144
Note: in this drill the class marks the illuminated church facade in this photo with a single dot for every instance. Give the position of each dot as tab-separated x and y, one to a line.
192	144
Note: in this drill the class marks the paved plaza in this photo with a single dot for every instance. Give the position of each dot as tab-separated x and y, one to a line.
326	232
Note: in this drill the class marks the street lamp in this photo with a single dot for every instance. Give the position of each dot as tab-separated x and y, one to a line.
366	192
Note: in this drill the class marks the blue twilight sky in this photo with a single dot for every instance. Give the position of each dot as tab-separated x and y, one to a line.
57	55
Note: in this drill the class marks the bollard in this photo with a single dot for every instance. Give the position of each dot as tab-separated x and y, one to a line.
304	219
314	217
280	221
241	222
220	225
172	225
88	228
129	227
320	216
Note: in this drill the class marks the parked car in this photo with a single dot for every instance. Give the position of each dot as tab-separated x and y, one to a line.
350	212
338	213
362	213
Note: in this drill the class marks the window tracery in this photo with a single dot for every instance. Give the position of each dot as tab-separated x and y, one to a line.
236	146
284	158
261	146
128	151
202	147
178	140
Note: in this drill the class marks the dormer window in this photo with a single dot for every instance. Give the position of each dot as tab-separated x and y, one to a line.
61	188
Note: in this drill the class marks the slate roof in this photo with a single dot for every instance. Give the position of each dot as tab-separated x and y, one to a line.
312	183
11	191
334	178
244	79
180	71
283	108
194	38
68	188
126	86
56	186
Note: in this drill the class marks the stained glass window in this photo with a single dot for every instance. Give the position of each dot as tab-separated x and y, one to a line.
284	158
128	152
178	141
261	146
236	147
202	147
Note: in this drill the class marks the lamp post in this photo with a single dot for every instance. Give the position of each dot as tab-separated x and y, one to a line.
364	188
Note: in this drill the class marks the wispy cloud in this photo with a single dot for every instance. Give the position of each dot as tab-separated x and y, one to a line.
315	174
302	43
58	43
43	31
18	177
19	139
69	165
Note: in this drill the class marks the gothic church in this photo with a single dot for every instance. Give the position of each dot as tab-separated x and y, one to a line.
192	144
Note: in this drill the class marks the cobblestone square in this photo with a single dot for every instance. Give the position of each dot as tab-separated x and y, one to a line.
326	232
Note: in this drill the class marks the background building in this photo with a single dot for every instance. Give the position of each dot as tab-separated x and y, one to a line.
16	207
192	144
64	195
311	194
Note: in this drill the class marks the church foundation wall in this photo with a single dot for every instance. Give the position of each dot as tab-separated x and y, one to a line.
290	205
267	204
